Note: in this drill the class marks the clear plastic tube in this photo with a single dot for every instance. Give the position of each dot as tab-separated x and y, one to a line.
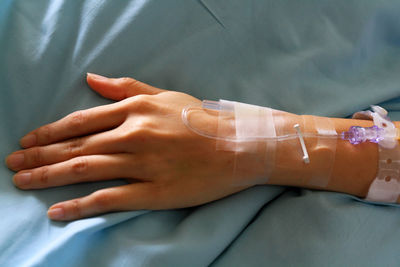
216	106
355	135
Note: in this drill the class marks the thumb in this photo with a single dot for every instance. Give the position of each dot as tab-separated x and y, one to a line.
119	88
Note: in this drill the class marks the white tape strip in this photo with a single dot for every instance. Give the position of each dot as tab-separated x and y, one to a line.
250	124
226	126
322	174
386	186
247	120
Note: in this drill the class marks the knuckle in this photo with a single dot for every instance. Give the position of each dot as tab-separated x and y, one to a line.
144	124
80	166
142	103
75	147
124	137
77	119
122	107
44	133
36	156
76	208
44	175
135	134
156	196
102	200
129	82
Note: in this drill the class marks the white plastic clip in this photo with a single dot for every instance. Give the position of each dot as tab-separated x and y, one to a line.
306	159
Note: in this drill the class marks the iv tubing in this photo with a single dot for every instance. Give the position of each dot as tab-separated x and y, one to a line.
215	106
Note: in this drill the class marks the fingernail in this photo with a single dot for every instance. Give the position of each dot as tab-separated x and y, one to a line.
23	178
96	77
15	160
56	213
28	140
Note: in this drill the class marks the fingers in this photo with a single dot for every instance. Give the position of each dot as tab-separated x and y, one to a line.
81	169
127	197
119	88
76	124
102	143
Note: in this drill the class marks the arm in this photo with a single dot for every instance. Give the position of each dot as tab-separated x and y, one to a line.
142	138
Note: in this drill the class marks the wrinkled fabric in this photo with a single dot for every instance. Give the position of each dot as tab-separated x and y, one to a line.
328	58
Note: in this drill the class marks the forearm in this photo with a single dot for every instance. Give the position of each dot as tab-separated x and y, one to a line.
353	169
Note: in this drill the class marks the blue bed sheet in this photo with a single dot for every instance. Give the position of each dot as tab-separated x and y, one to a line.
312	57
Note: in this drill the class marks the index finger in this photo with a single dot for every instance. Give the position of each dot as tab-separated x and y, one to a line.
76	124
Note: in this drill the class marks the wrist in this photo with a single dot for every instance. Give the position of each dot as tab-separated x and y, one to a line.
352	169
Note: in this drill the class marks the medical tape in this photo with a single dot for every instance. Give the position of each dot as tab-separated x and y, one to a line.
226	127
241	129
325	150
269	143
254	156
252	122
386	185
248	123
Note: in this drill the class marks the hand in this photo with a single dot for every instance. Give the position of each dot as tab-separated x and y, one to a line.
140	138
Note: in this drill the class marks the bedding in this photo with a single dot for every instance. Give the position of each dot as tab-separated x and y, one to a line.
328	58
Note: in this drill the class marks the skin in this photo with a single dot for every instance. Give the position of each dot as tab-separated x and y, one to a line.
142	138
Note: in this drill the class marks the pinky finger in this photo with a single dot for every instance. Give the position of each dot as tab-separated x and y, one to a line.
121	198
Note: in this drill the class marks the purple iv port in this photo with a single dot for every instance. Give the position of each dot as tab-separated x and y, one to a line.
357	134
